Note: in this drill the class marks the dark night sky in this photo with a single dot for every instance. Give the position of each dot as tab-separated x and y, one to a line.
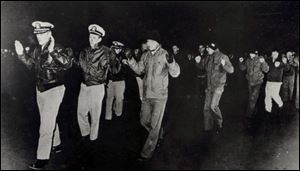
235	26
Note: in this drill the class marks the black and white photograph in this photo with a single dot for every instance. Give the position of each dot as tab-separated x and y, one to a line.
150	85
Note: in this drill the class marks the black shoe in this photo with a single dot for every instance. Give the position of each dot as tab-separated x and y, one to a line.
39	165
56	149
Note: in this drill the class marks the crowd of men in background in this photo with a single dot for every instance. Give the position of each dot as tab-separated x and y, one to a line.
104	70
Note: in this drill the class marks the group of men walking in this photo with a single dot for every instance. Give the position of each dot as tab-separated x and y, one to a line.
100	66
104	70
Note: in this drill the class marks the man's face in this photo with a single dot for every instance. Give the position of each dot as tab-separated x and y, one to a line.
275	54
144	46
127	52
136	51
175	49
43	38
201	48
252	55
289	55
210	51
152	44
94	39
118	50
189	56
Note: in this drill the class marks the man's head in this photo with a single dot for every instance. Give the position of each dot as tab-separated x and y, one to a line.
136	51
96	33
211	48
189	56
153	39
275	54
152	44
289	55
42	30
117	46
253	53
201	48
144	47
175	49
127	52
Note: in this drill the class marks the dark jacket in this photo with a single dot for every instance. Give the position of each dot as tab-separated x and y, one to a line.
49	74
116	68
94	64
291	69
216	73
275	74
255	70
201	73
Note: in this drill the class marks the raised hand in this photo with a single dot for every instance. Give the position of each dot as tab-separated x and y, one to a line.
170	58
19	47
284	60
261	60
241	59
197	59
223	61
128	54
277	64
51	45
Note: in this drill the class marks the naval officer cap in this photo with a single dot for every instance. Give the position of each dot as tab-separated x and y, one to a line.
117	44
96	29
41	27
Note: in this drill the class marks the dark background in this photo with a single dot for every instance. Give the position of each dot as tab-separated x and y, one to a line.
235	26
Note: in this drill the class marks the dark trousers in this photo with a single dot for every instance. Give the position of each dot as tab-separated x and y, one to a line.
253	91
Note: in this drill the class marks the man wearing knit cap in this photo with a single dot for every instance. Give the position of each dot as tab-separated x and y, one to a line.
157	65
217	65
49	60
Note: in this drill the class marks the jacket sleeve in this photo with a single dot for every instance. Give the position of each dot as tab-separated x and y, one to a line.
27	59
286	67
139	67
228	66
62	57
201	64
81	62
243	65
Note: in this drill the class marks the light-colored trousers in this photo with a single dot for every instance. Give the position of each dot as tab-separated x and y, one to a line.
152	112
48	104
115	90
90	101
272	92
